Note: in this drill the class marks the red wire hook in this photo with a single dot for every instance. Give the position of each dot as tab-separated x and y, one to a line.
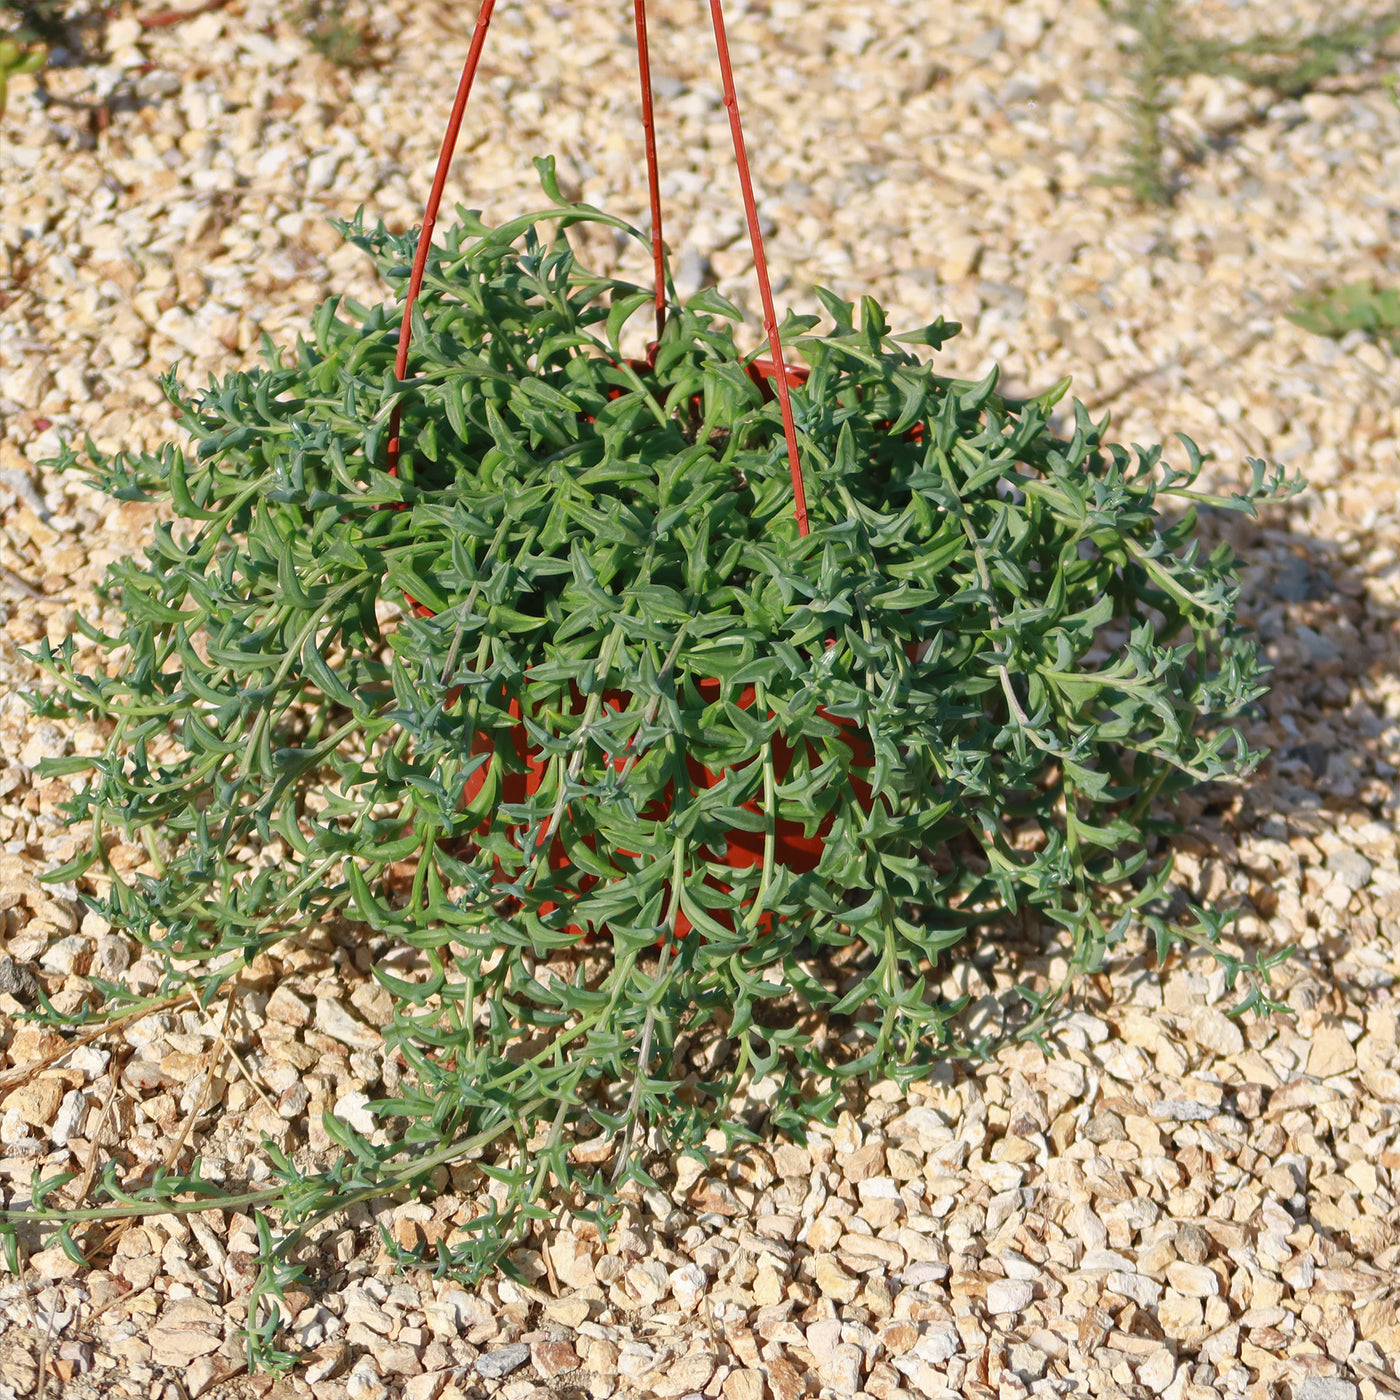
760	267
658	250
430	213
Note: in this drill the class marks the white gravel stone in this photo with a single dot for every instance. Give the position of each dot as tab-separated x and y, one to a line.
364	1381
1145	1292
492	1365
1009	1295
352	1108
1158	1371
1193	1280
72	1114
338	1023
939	1343
1217	1032
1350	868
1325	1388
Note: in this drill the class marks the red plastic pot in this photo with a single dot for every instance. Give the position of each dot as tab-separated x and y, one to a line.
793	848
761	372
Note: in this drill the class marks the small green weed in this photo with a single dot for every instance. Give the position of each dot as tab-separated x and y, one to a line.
347	42
1358	306
35	21
16	59
1165	50
28	28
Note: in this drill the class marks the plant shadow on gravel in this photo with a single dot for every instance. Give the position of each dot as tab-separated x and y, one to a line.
1331	723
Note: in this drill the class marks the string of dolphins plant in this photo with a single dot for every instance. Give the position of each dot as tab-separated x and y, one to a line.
601	757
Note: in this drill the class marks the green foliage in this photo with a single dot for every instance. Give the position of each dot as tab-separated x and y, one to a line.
344	41
35	21
69	24
1358	306
1166	51
16	59
968	687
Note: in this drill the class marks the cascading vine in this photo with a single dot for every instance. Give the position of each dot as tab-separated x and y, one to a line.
602	754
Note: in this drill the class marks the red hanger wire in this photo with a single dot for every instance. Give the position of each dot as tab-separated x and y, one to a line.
741	160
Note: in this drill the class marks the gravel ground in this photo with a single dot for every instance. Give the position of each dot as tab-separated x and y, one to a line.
1176	1204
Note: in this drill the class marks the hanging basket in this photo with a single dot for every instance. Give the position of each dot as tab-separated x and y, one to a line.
692	390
